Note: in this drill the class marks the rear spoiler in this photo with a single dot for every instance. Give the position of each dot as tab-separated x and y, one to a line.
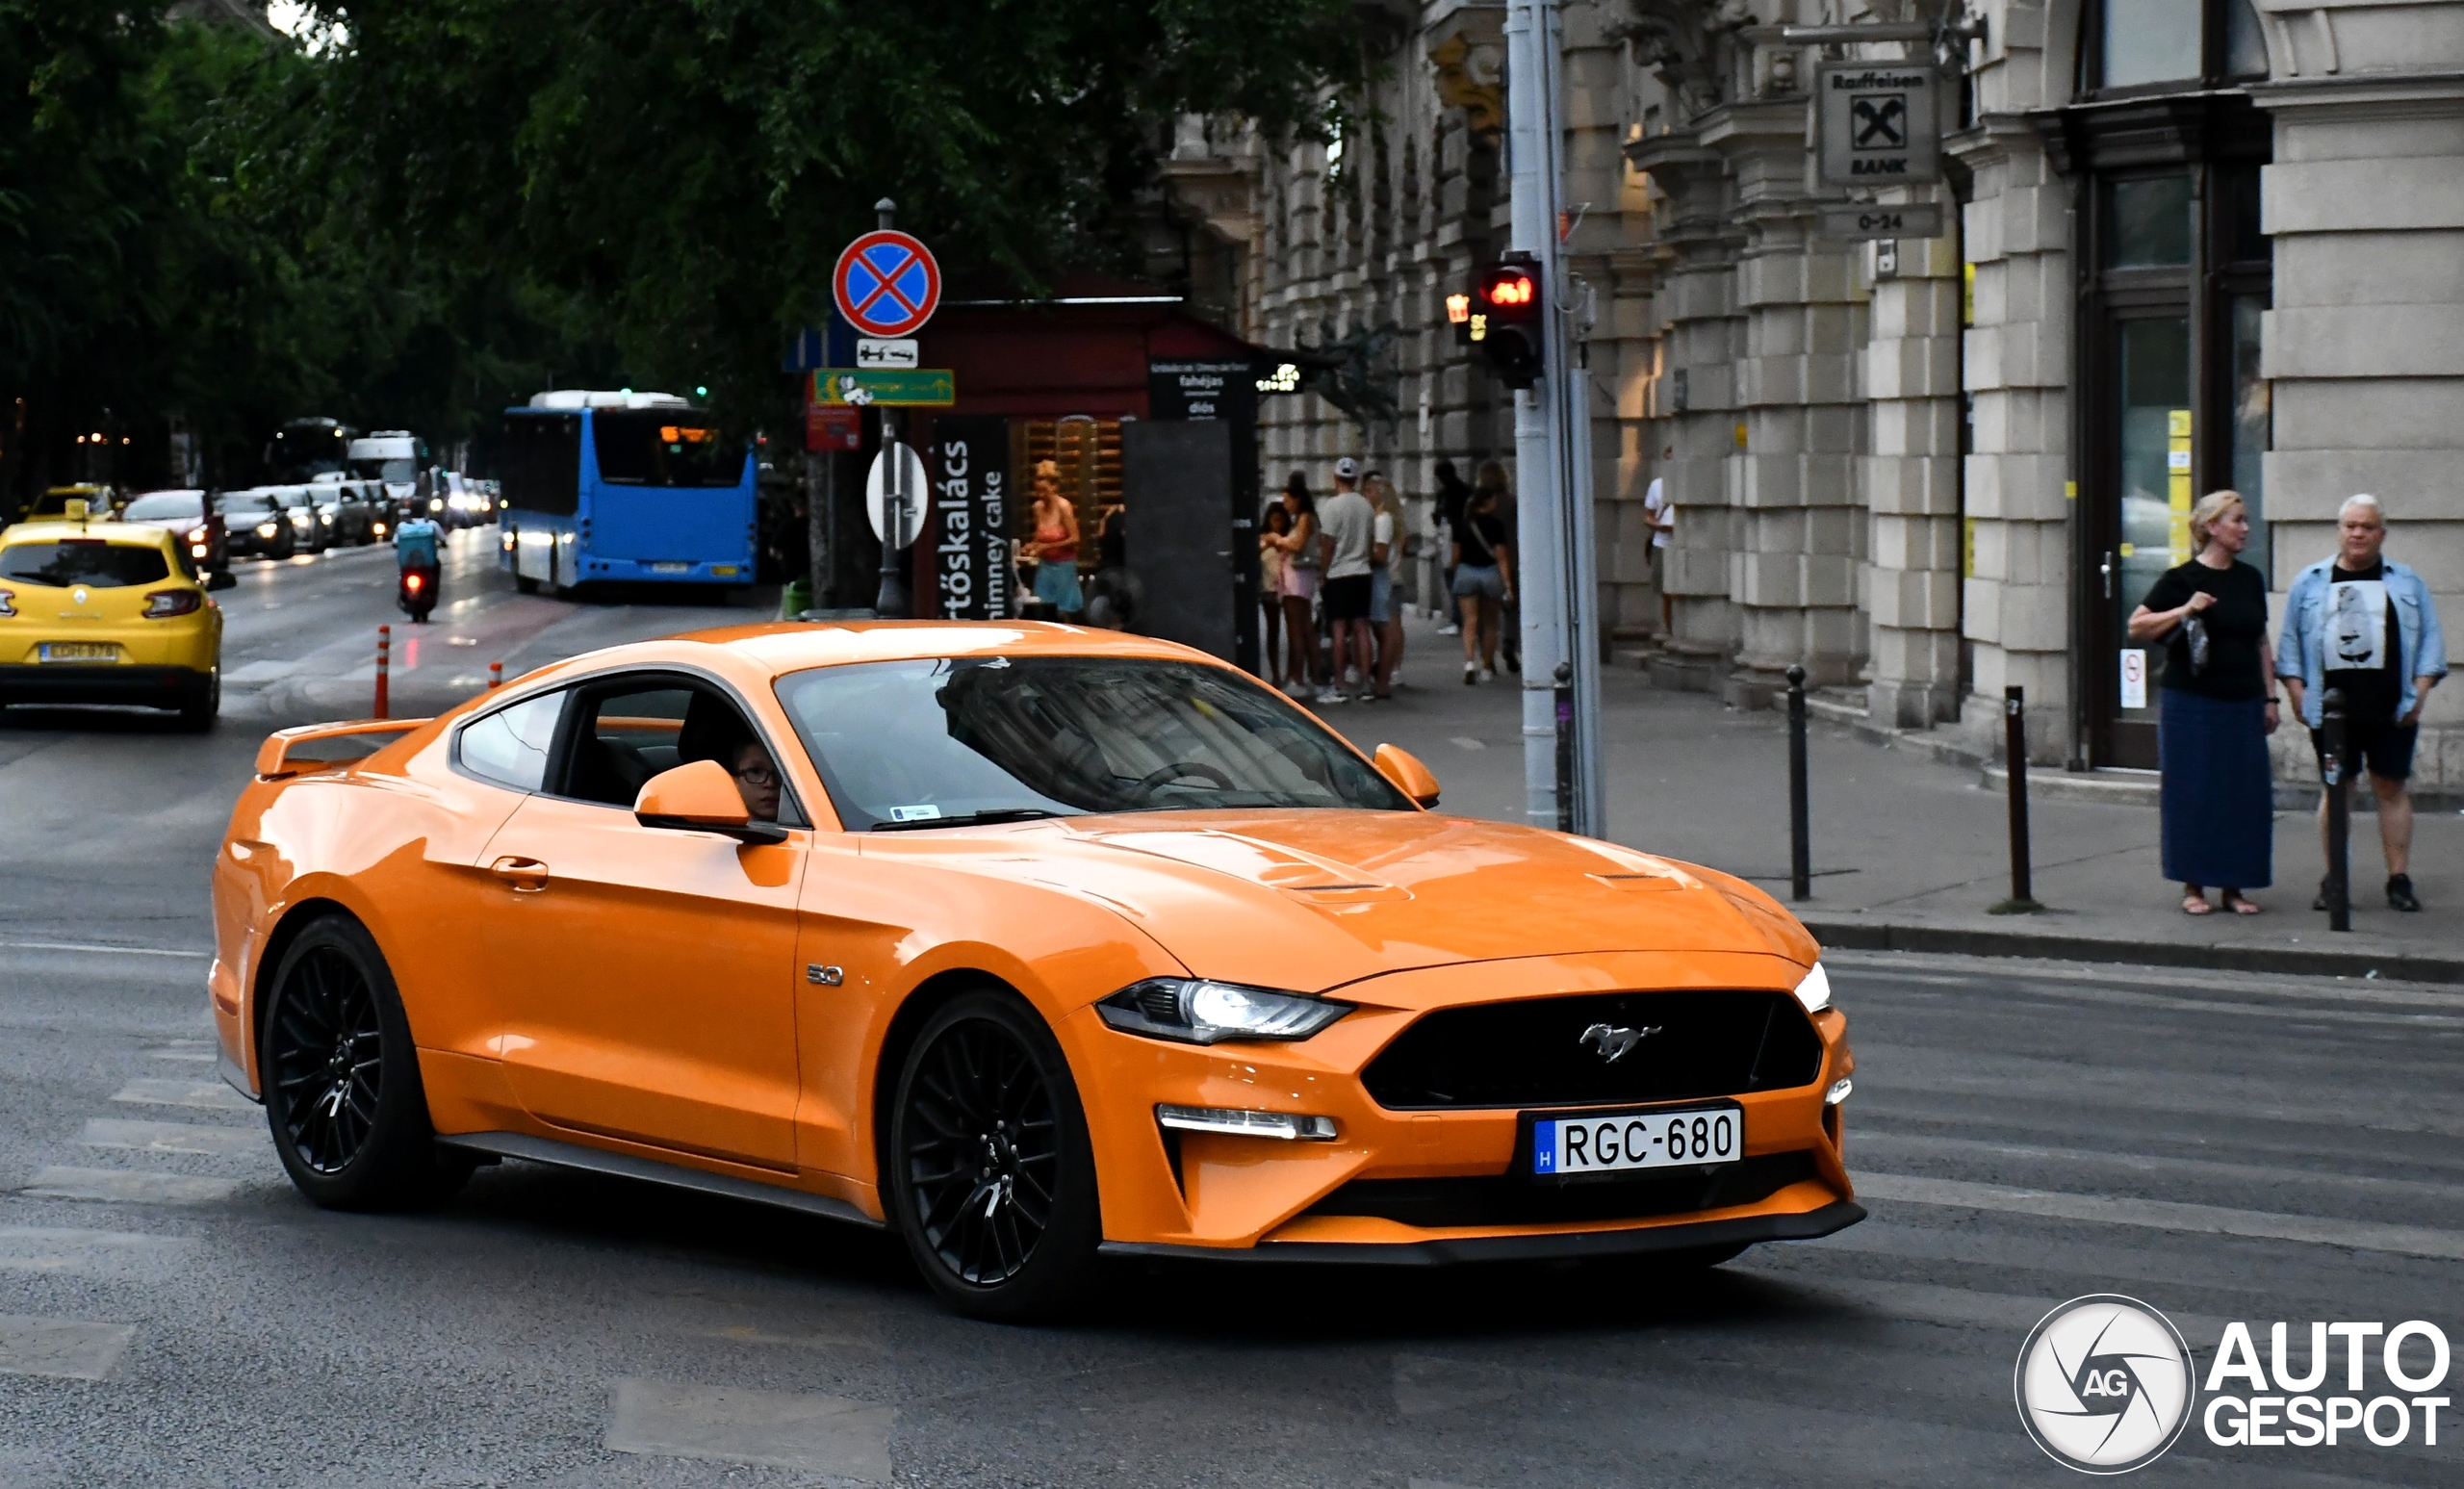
295	752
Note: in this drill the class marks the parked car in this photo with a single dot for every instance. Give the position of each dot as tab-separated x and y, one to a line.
255	523
198	526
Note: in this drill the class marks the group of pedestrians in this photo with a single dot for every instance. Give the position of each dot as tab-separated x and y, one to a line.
1478	530
2358	622
1333	560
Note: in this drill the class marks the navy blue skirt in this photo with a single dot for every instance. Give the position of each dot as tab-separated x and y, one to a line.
2219	796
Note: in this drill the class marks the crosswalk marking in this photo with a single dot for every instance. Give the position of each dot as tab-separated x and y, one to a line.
172	1137
60	1347
127	1187
2165	1215
120	1254
817	1434
210	1096
1867	1137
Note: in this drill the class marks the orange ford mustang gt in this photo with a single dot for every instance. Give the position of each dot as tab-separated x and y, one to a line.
1032	942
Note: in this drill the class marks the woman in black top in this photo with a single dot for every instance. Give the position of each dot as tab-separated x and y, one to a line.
2217	709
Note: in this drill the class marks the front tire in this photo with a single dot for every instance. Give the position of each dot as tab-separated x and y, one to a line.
342	1079
991	1178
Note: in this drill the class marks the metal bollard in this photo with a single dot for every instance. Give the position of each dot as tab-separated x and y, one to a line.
496	675
2014	758
2332	775
1800	850
384	666
1565	700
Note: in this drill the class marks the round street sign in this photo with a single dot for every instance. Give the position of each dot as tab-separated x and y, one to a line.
887	283
894	494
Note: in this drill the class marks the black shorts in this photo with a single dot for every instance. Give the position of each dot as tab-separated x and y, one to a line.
2385	748
1348	598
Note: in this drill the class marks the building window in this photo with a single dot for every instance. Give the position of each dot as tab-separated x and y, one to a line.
2139	44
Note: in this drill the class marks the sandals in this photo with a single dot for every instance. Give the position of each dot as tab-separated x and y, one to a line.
2239	906
2197	905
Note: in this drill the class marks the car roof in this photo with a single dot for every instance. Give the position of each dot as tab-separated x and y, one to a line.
134	534
782	646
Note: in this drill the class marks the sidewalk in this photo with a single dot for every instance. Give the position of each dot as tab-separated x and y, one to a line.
1908	854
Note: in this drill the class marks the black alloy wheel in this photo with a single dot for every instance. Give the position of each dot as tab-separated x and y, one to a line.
992	1174
342	1082
328	1049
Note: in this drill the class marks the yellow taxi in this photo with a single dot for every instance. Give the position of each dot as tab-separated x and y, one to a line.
94	611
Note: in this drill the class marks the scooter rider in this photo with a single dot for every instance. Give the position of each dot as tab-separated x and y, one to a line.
415	552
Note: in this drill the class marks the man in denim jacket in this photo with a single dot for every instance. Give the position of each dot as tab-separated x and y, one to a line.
2365	625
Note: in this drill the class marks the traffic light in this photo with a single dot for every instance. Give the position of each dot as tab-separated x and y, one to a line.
1502	316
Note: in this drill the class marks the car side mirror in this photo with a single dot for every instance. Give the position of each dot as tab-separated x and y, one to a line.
701	798
1403	770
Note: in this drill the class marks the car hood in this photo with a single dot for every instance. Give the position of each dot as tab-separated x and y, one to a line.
1312	900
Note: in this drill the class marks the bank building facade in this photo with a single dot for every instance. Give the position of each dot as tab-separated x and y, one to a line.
2184	245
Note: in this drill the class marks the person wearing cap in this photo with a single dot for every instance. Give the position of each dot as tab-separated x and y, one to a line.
1349	525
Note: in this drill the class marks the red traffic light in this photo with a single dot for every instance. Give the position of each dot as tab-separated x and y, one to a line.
1511	292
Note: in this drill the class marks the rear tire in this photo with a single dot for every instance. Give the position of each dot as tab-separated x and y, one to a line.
198	715
341	1080
990	1176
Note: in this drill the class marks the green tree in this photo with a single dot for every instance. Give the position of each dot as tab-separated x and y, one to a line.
688	170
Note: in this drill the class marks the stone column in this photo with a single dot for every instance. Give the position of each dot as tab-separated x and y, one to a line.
1912	481
1694	403
2017	600
1793	476
2365	347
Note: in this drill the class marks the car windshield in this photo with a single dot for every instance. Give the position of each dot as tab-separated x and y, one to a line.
89	561
249	503
166	504
942	740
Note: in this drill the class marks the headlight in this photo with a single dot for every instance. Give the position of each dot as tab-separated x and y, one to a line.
266	530
196	550
1814	993
1195	1012
300	519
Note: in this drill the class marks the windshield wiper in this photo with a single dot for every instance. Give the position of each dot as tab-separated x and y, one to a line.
968	819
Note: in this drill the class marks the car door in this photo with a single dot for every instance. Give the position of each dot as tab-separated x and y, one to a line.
647	975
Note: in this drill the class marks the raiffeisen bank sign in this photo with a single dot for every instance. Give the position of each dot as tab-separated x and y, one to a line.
1878	124
2107	1384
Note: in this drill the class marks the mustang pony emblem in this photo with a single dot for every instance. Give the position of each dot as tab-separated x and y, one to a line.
1613	1043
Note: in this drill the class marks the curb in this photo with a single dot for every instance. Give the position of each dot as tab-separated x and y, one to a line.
1849	936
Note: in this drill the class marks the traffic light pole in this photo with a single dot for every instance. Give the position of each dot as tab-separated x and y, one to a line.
1554	575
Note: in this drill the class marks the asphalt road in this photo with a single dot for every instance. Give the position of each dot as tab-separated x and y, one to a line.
172	1313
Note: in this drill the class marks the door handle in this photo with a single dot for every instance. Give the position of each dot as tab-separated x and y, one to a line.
2107	570
528	876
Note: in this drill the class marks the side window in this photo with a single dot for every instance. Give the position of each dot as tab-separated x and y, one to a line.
510	746
626	737
626	734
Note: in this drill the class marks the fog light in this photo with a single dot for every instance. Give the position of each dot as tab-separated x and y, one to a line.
1248	1124
1839	1091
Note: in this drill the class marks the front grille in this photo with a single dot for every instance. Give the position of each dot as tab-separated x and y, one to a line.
1531	1053
1511	1199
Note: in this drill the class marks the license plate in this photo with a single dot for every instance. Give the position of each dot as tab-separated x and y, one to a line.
1618	1141
671	568
77	652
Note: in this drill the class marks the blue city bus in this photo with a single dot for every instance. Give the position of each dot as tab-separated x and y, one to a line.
622	487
